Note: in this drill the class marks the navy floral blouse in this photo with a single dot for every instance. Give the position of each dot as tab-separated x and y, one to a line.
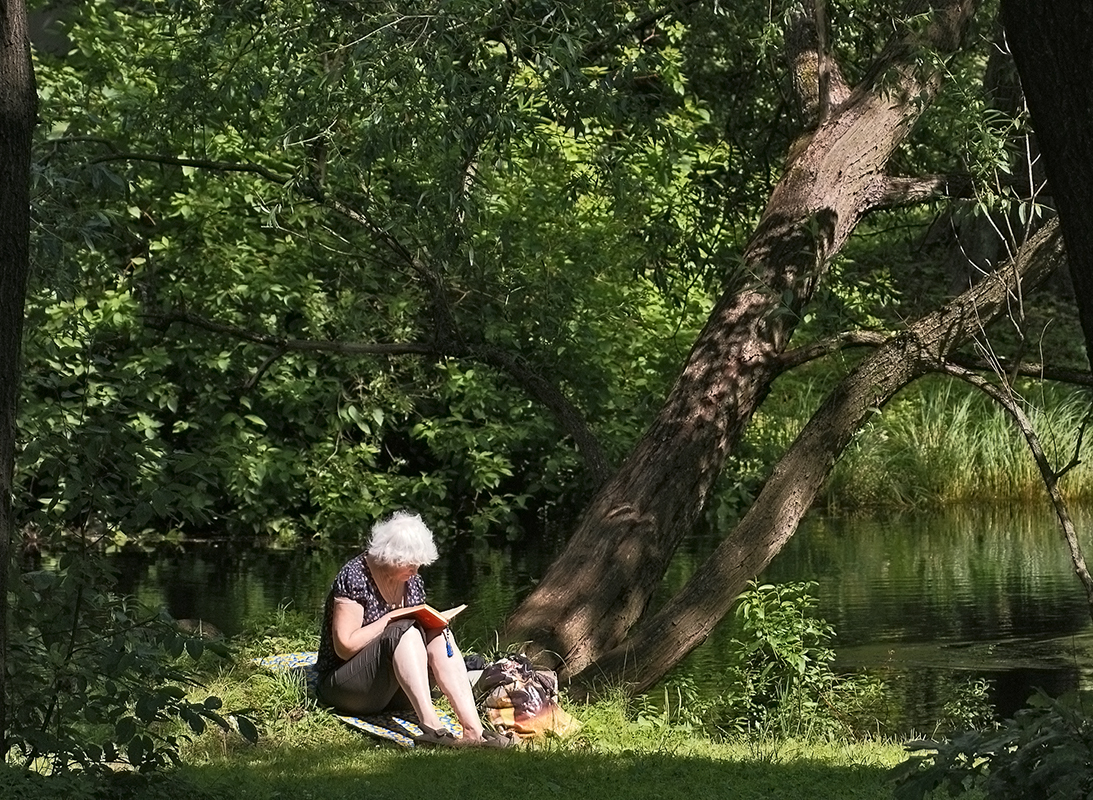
356	583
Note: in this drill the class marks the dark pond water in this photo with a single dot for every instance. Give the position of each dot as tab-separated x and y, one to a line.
926	601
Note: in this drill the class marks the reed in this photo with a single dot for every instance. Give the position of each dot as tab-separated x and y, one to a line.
940	444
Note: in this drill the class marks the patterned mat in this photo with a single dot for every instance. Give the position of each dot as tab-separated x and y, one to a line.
398	728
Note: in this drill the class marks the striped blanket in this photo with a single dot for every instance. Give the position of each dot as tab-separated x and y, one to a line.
399	728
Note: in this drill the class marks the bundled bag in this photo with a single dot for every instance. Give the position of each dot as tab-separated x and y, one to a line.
522	699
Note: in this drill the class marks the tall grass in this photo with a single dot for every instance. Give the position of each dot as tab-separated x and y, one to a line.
938	444
941	444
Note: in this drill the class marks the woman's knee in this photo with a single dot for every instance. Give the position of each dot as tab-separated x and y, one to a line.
406	636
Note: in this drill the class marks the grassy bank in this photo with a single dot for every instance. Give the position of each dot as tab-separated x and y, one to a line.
939	444
346	765
304	752
625	750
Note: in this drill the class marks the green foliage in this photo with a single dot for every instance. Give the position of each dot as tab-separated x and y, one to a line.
1045	751
780	677
970	706
680	710
451	178
95	682
122	785
460	177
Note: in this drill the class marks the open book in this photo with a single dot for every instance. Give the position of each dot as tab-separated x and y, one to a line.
428	616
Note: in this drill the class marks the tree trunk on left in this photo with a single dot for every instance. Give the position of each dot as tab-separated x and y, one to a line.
18	106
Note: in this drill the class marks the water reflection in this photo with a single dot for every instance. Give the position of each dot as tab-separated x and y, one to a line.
924	600
919	599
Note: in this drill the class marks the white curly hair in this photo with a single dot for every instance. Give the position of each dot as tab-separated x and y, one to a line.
401	540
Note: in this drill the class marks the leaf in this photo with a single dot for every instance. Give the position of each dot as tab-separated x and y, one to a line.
125	729
136	751
247	729
195	648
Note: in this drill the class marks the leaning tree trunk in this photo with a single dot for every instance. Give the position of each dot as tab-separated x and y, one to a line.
600	585
1052	44
686	621
17	113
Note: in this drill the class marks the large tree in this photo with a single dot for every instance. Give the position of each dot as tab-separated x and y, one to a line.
17	117
839	172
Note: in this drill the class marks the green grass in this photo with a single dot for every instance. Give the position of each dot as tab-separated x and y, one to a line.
355	767
304	752
314	756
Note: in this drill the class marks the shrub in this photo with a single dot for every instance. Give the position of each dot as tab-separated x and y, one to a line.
95	681
1045	752
780	677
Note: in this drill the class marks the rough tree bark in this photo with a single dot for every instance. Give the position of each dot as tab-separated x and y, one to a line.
18	100
1052	45
684	623
600	585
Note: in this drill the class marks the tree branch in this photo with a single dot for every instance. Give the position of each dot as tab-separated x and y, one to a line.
1050	477
197	163
891	192
569	419
791	359
818	83
1027	369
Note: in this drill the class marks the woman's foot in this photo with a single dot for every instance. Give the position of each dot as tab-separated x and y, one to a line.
493	739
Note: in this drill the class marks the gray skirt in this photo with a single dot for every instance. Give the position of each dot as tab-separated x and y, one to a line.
366	683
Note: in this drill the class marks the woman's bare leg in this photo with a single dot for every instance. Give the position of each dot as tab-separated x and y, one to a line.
450	673
411	661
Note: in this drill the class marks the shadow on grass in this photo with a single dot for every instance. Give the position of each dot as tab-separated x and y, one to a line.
390	773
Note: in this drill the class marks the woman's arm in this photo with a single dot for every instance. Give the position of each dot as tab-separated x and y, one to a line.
349	636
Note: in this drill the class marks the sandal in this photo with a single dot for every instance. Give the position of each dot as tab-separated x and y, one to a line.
495	739
438	738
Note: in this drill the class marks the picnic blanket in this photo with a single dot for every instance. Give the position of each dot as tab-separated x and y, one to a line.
399	728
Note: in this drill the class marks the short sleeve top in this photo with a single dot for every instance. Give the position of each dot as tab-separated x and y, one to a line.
355	582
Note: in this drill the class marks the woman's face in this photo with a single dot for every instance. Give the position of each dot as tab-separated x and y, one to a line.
404	571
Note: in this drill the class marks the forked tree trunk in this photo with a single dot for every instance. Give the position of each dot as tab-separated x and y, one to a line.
18	100
685	622
600	585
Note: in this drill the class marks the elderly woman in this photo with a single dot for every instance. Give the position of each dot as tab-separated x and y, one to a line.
369	662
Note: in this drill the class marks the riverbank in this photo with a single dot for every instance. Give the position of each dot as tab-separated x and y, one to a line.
623	750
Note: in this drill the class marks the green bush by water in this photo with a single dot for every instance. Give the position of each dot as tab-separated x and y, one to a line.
95	682
1044	753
